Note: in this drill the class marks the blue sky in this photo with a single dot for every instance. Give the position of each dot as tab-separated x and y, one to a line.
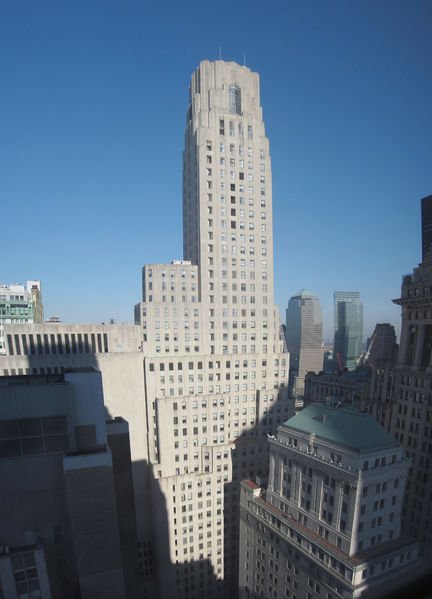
92	116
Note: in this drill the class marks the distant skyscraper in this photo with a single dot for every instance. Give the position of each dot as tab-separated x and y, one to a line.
19	304
304	331
328	524
348	323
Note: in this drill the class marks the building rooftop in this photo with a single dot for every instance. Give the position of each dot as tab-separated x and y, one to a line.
304	293
344	425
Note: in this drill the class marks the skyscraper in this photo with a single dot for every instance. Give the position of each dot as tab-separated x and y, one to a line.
203	379
426	216
304	330
215	369
348	323
411	414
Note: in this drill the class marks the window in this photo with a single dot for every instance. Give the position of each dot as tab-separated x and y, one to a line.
235	99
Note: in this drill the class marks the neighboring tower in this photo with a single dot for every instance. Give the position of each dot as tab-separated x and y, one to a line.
215	367
304	331
426	217
19	304
411	421
348	323
328	524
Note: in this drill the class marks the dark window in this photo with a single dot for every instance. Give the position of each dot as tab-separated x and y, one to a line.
235	99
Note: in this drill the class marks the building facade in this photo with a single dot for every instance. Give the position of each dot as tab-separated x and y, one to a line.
203	377
19	304
215	367
66	498
116	352
348	323
304	332
411	405
328	524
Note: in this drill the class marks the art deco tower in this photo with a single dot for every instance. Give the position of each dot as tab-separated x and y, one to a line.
215	368
227	208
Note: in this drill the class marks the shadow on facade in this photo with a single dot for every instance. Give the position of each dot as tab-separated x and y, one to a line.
146	559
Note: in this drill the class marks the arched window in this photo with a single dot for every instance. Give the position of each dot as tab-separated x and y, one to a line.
235	99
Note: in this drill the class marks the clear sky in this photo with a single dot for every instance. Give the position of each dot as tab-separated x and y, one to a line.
92	113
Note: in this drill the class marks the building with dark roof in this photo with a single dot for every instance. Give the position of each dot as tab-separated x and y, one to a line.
329	522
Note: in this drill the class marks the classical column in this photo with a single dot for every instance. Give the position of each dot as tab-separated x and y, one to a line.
338	503
317	492
403	347
419	345
356	515
271	472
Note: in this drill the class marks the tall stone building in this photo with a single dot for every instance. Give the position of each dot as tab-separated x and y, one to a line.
304	331
203	379
411	405
348	324
215	368
328	525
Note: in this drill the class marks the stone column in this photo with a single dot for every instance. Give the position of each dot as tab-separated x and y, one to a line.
317	492
351	499
403	347
338	503
271	471
419	345
356	515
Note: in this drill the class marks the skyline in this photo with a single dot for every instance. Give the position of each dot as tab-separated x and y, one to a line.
92	123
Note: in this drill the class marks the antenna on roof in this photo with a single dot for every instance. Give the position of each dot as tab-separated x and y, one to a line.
244	59
220	53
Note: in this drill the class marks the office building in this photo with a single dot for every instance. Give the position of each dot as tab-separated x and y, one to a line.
328	523
19	304
346	387
411	402
304	331
203	378
348	323
66	495
115	351
215	368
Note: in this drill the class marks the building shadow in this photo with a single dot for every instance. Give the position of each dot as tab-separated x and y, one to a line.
146	552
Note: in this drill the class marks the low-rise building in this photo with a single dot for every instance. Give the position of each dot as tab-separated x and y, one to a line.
19	304
329	522
66	494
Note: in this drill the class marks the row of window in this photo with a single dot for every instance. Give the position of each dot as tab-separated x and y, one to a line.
60	343
232	163
33	436
216	365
